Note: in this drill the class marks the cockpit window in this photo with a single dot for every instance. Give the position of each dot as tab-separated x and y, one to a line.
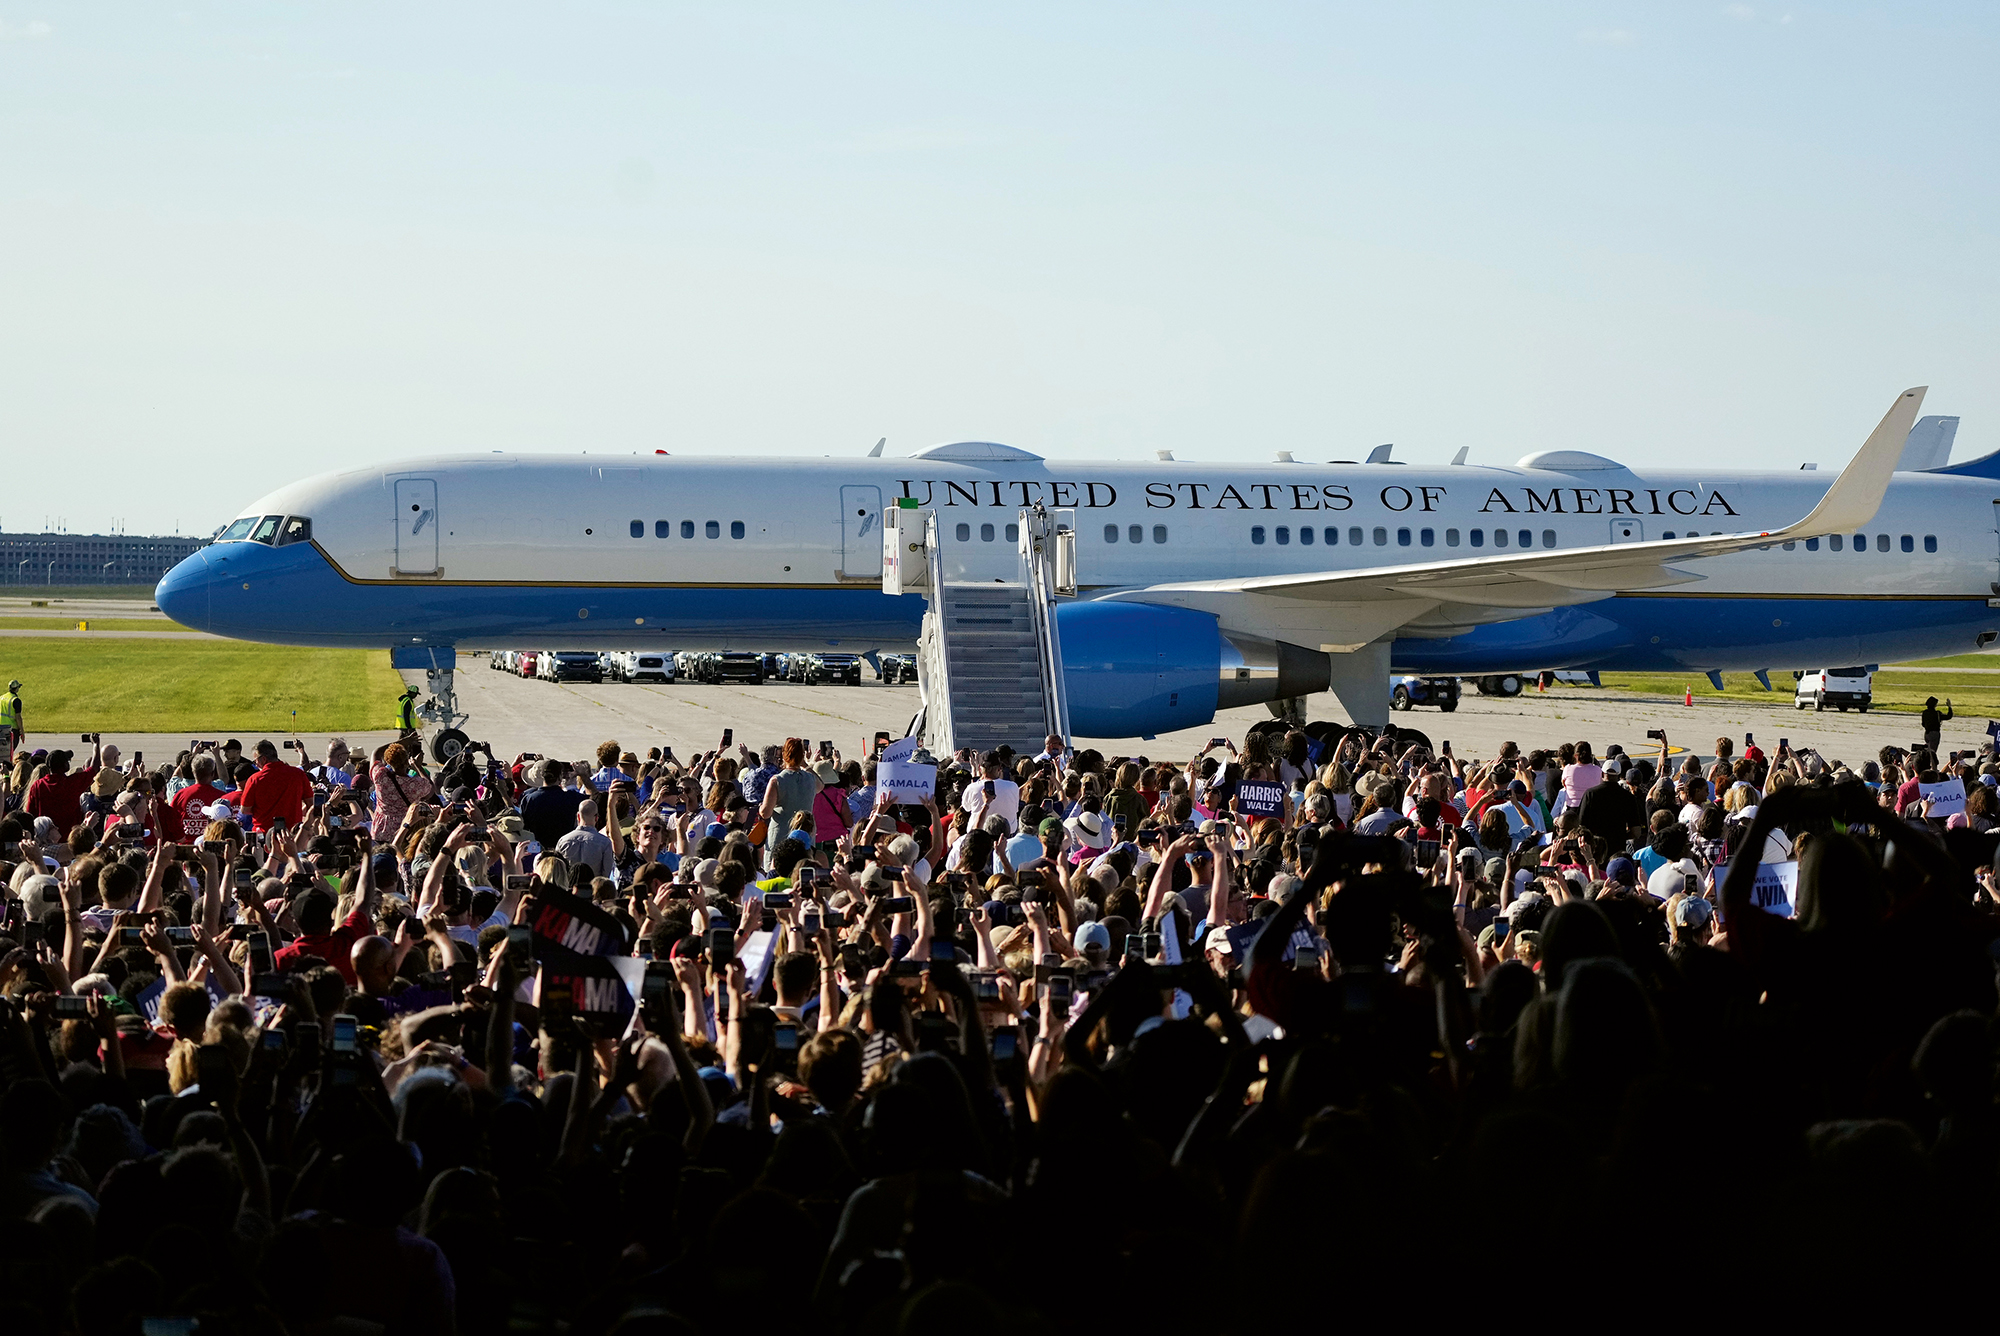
267	529
237	531
296	529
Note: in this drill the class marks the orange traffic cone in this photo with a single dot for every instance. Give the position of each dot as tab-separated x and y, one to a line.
1689	701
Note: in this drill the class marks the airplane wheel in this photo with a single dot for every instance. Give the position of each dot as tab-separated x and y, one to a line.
1399	699
1509	685
447	744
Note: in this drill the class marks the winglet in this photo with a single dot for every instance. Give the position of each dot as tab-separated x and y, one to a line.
1857	493
876	453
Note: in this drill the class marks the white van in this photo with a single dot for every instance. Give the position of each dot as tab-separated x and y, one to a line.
1840	688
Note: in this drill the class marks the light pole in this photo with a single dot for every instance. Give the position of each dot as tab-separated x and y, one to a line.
50	582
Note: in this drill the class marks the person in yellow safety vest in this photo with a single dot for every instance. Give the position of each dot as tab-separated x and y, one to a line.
406	712
10	714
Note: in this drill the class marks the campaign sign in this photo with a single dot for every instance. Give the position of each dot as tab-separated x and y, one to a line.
1257	798
1947	799
1776	890
603	990
902	749
910	782
563	923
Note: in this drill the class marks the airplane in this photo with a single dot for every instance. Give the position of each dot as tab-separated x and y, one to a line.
1201	586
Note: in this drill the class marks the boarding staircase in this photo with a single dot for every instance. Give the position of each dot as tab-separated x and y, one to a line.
989	663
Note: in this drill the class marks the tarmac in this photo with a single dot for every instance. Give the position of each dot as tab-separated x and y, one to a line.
569	720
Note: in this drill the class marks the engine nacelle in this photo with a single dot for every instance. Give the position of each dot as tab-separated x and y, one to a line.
1142	669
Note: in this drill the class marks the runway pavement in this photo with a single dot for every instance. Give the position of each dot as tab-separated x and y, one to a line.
569	720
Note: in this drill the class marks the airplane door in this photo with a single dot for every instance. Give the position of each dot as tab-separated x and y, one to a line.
860	533
1628	531
416	526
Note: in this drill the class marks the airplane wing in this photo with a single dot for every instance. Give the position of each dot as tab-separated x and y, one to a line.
1541	579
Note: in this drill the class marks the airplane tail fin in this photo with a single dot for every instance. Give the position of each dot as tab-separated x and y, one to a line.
1929	445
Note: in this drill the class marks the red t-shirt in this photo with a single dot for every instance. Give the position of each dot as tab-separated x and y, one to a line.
58	797
187	805
277	792
336	947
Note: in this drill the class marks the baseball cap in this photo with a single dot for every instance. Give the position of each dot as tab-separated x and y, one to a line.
1622	870
1218	940
221	811
716	831
1093	934
1693	912
14	685
1049	826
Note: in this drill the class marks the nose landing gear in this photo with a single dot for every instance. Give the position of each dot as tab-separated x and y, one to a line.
442	708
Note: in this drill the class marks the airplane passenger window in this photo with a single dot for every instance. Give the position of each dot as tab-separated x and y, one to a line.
1136	534
1790	546
1159	532
1527	538
1402	538
267	529
1451	538
713	528
663	529
1812	544
1881	542
1909	543
1478	537
1354	537
1381	538
1257	534
985	533
298	529
1333	538
1013	533
1668	534
1499	538
1930	542
1833	542
1110	532
1284	536
1861	542
736	528
1548	538
964	534
1428	537
638	528
238	530
1305	535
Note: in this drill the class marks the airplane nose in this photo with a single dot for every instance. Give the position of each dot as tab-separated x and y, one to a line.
183	593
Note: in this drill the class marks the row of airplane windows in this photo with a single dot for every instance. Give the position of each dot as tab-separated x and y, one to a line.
1330	536
665	529
1357	536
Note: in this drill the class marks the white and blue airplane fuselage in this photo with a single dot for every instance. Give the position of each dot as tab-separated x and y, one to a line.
1565	560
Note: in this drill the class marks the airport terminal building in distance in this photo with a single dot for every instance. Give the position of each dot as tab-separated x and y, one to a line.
45	559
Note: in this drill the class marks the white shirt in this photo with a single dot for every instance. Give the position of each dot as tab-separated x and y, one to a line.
1006	800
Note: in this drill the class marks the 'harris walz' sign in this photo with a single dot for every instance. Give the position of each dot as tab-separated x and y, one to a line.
1422	499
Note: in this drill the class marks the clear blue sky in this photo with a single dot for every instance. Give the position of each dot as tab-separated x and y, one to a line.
242	243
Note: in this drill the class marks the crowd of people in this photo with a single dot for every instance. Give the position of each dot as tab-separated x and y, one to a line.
1314	1024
